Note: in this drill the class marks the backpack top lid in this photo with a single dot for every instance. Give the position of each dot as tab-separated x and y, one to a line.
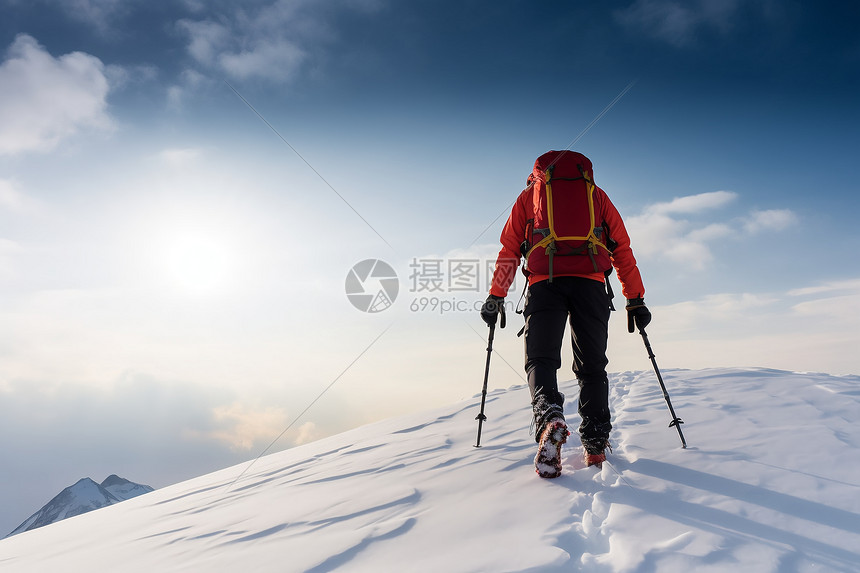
565	164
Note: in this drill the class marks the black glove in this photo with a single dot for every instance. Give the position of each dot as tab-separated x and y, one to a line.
637	312
491	308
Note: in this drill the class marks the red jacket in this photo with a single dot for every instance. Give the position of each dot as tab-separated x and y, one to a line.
514	232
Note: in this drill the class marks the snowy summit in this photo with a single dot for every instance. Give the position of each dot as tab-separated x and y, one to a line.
83	497
769	483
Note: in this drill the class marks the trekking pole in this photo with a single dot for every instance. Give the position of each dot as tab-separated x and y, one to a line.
481	417
676	421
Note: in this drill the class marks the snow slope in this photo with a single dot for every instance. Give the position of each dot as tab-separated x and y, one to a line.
770	482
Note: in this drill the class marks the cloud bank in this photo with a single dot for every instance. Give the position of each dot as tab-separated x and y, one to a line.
811	328
153	430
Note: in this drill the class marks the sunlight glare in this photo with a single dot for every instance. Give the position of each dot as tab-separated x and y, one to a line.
200	263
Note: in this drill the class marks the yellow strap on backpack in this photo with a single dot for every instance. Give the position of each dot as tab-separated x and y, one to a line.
552	237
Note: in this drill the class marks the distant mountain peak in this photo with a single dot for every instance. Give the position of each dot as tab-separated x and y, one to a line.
113	480
82	497
83	482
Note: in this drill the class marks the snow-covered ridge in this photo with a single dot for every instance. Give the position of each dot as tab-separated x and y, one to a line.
769	483
82	497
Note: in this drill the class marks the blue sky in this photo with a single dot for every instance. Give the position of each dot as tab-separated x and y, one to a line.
172	273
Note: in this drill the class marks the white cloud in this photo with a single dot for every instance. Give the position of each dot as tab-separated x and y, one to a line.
307	433
276	60
719	308
176	94
837	301
245	426
656	234
207	39
770	220
246	47
271	42
694	203
678	22
830	287
675	231
694	254
120	77
45	100
710	232
659	232
836	309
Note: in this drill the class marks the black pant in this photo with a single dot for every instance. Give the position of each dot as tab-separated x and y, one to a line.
585	304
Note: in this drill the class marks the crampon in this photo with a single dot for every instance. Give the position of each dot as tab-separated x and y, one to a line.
548	459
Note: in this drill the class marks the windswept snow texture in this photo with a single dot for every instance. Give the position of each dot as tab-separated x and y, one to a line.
770	482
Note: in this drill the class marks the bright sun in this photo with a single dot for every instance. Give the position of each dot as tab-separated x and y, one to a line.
199	263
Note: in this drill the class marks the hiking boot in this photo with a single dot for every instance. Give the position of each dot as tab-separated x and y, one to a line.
548	458
545	411
595	452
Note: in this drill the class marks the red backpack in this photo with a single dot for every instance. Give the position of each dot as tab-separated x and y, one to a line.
564	237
